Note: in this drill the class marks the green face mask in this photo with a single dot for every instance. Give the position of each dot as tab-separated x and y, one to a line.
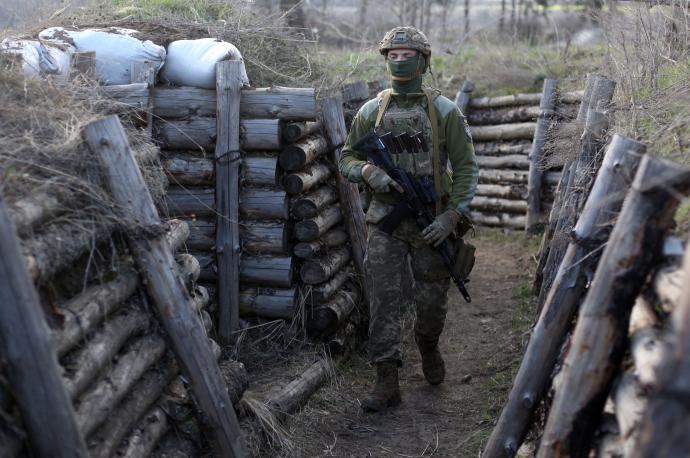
404	68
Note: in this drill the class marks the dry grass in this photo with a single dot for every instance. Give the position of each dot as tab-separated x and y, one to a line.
41	144
649	57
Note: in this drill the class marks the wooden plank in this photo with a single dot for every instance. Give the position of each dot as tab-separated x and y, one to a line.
517	131
33	371
546	111
107	139
228	84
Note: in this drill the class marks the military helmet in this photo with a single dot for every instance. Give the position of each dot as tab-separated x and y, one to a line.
405	37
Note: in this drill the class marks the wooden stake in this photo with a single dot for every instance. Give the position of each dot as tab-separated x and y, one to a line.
33	371
546	107
579	263
462	98
228	84
350	203
598	342
107	139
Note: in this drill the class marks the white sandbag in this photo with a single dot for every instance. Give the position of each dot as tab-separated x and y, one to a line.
193	62
116	50
38	59
28	55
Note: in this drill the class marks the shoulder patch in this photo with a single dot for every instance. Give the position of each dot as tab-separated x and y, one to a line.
466	126
444	105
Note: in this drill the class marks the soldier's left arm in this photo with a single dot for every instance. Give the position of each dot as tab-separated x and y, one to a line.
460	152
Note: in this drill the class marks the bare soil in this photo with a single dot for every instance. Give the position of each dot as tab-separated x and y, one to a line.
482	345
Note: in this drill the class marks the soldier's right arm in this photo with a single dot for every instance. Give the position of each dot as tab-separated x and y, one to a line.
351	161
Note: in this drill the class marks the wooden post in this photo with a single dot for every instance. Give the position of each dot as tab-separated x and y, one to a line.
34	373
108	140
579	263
547	106
581	174
599	340
350	204
462	98
664	426
228	83
145	72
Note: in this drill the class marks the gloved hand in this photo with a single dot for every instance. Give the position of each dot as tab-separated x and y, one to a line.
443	225
378	179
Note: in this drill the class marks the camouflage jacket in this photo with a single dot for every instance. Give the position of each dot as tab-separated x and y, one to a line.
458	183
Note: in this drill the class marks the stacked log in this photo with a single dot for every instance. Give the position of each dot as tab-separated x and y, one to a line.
502	129
281	148
321	241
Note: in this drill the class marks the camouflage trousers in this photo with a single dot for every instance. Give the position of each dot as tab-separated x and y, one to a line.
387	263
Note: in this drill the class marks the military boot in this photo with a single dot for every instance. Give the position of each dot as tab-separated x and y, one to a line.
386	392
432	363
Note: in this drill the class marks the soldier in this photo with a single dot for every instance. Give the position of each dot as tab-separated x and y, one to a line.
408	107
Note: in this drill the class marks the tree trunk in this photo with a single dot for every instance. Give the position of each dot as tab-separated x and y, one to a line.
255	203
487	117
264	204
98	402
600	335
87	310
310	205
490	204
319	270
144	439
99	351
200	134
260	170
269	303
104	442
267	271
663	430
313	175
578	265
296	156
328	318
502	191
506	220
188	170
319	294
298	391
295	131
506	101
517	131
262	237
333	238
522	147
513	161
309	230
33	371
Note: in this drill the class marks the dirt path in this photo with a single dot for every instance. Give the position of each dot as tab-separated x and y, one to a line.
481	344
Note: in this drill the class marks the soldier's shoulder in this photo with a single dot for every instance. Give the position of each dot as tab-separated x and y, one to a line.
370	108
445	106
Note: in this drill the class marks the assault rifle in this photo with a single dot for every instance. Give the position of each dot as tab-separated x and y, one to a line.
418	197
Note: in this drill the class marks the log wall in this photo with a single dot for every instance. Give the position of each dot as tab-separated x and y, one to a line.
502	129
